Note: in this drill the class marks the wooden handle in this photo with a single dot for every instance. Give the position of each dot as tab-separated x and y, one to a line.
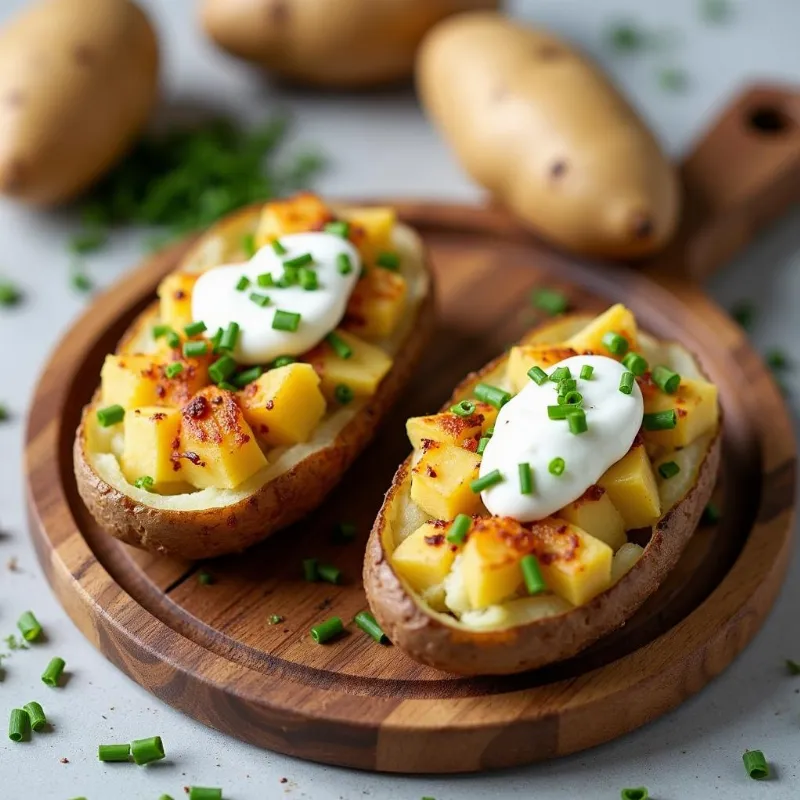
742	175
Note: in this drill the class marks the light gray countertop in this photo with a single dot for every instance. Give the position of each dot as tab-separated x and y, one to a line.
381	145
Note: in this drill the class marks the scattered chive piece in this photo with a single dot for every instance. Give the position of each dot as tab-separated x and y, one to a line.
195	349
247	376
229	337
338	228
325	631
144	482
339	345
329	573
275	619
466	408
3	413
344	264
345	532
160	330
80	281
265	279
242	283
482	445
29	626
715	11
249	245
228	387
745	314
204	793
660	420
285	321
388	260
172	338
165	797
18	725
299	261
586	372
310	569
367	622
343	394
549	300
537	375
490	431
756	765
560	374
625	37
215	340
222	369
9	294
145	751
259	299
113	752
534	582
639	793
309	280
669	469
205	578
567	385
36	716
573	399
52	673
491	394
88	241
673	79
793	667
110	415
626	382
278	248
283	361
557	466
174	369
666	380
486	481
615	344
525	479
777	360
711	514
577	422
636	363
459	528
557	412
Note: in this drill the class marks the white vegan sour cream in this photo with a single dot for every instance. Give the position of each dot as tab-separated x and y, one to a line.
524	433
217	302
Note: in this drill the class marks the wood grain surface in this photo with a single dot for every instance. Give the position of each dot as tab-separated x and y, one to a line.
210	650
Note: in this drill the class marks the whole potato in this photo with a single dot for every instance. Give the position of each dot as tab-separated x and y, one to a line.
338	44
78	79
544	130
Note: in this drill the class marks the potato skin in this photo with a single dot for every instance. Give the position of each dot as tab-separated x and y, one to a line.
431	641
541	127
336	44
77	82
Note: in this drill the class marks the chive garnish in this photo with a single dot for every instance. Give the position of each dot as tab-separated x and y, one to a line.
259	299
636	363
285	321
111	415
80	281
36	715
573	399
576	421
205	578
388	260
755	765
586	372
275	619
343	394
145	751
195	349
666	380
626	38
537	375
744	313
482	445
567	385
18	725
716	11
557	466
278	248
525	479
338	228
777	360
459	528
145	482
222	369
669	469
329	573
793	667
215	341
325	631
283	361
550	301
228	387
558	412
249	245
660	420
229	337
492	395
265	279
310	569
247	376
367	622
9	294
615	343
242	283
160	330
195	328
339	345
711	514
626	382
466	408
534	582
308	279
344	264
204	793
486	481
3	413
344	532
172	339
173	370
639	793
673	79
52	673
299	261
560	374
113	752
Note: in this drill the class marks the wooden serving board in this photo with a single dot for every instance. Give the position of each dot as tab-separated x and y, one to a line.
209	650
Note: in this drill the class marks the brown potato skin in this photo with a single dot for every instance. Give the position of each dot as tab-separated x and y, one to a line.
78	82
334	44
539	125
502	652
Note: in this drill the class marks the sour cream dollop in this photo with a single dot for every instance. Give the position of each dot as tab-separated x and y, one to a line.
524	433
217	302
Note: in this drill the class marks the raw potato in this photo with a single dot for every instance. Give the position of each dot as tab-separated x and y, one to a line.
540	127
212	522
339	44
78	79
442	641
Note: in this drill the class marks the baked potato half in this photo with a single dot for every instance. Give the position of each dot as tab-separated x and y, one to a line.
458	595
178	455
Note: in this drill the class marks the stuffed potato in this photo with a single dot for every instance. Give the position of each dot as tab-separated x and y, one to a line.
234	404
512	536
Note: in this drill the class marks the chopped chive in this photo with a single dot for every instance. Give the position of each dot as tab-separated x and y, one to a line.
285	321
36	716
222	369
145	482
278	247
160	330
669	469
172	339
204	793
550	301
88	241
660	420
577	422
344	264
339	345
573	399
80	281
777	360
525	479
484	440
491	394
755	765
18	725
615	343
666	380
52	673
560	374
557	466
567	385
329	573
29	626
534	582
283	361
388	260
299	261
173	370
367	622
310	569
242	283
711	514
625	37
338	228
466	408
490	431
639	793
215	340
205	578
558	412
673	79
636	363
745	314
229	337
249	245
793	667
716	11
265	279
247	376
343	394
3	413
228	387
9	294
259	299
113	752
309	280
537	375
145	751
486	481
459	528
586	372
325	631
195	349
275	619
195	328
344	532
626	382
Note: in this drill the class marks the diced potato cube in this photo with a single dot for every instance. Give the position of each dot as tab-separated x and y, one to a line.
217	446
362	372
376	304
440	482
697	408
450	428
424	557
371	230
624	560
298	214
616	319
284	405
175	295
150	439
631	485
594	513
522	357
